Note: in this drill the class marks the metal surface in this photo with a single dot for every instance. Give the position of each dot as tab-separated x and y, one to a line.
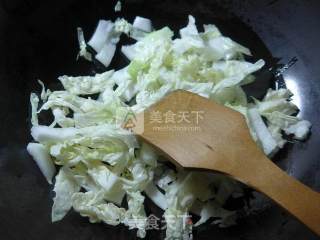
38	40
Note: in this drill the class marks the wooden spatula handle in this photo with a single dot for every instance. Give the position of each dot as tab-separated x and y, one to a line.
224	144
298	199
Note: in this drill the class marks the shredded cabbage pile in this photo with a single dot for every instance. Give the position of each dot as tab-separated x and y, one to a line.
97	165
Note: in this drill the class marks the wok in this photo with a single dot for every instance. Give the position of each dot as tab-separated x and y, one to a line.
38	41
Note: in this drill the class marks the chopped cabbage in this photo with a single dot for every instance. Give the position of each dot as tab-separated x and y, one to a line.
101	35
135	216
156	196
34	100
44	93
93	205
117	7
83	46
109	165
65	186
103	41
85	85
212	209
109	181
106	54
300	129
41	156
122	26
143	24
265	138
177	225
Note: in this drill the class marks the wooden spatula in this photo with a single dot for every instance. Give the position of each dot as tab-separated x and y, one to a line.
197	133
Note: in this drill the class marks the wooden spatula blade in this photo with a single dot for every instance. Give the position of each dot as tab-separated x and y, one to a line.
199	131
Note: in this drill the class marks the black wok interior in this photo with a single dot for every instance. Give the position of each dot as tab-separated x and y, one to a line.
38	41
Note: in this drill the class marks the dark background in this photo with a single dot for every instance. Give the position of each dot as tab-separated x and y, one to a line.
38	41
